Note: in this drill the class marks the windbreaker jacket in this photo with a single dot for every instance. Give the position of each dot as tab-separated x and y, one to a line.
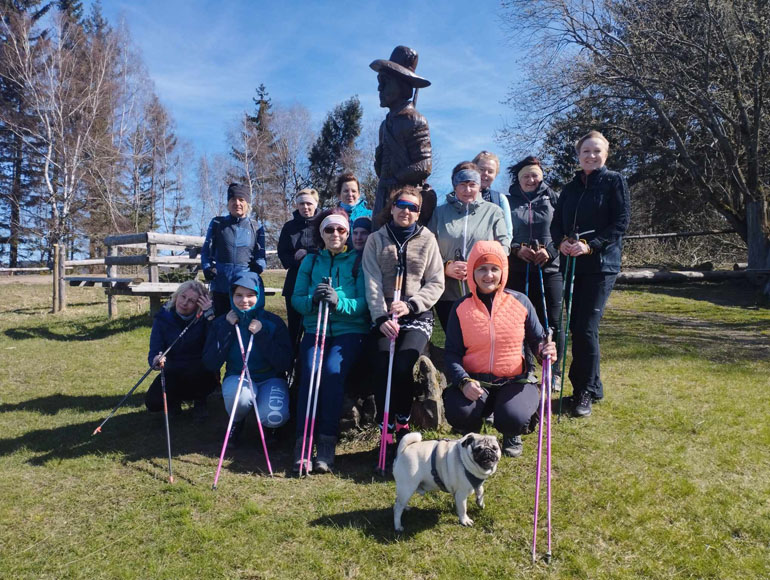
488	345
357	211
599	202
167	325
271	350
233	246
454	222
296	234
419	257
532	219
351	314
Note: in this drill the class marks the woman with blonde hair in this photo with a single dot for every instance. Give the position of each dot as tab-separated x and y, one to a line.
588	225
186	377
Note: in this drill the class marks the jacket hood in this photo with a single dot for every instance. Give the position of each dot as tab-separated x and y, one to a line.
479	249
452	200
253	281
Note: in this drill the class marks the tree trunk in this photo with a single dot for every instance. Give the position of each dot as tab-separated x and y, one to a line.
758	242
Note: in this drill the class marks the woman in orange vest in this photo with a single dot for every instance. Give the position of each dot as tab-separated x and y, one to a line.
484	351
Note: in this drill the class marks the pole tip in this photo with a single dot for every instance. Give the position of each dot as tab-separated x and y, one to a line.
547	558
214	487
97	430
171	479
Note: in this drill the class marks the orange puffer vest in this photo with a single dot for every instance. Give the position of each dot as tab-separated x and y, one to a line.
493	342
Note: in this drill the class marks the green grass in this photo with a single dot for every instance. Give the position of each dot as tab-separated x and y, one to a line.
669	478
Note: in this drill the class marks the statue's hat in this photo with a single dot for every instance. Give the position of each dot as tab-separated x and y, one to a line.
402	64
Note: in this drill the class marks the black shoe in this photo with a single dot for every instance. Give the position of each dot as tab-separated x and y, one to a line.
512	445
234	441
175	408
200	411
583	406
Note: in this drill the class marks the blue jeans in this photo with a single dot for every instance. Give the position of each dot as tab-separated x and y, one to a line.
590	296
272	398
340	352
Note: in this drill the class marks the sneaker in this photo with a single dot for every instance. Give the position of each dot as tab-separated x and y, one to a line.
200	411
234	441
512	445
556	385
299	461
583	406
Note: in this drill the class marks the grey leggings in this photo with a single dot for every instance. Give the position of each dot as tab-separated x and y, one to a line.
513	404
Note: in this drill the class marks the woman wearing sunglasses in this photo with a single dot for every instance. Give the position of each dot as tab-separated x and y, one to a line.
328	277
401	243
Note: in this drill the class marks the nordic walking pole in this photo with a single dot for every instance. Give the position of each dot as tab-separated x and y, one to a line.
253	398
324	325
565	328
165	417
545	390
526	281
232	414
144	376
549	382
391	355
310	386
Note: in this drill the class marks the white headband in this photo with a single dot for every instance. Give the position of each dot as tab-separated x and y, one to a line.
335	218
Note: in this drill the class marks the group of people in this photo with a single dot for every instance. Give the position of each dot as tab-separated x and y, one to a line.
489	266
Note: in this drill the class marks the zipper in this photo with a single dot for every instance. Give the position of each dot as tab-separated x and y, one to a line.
492	336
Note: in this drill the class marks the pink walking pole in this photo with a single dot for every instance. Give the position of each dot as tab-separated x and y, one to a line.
253	398
310	387
391	355
232	415
325	307
545	400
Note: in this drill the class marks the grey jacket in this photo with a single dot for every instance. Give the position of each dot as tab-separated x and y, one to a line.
458	227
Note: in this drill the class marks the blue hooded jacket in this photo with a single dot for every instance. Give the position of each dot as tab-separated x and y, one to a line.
271	350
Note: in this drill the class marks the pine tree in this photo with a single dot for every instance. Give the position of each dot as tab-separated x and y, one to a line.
334	151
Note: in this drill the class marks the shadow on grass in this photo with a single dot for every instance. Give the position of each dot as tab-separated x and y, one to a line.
80	330
378	523
727	293
53	404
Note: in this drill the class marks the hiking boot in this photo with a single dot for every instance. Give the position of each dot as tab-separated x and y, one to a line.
174	408
583	406
298	458
234	441
325	447
200	410
512	445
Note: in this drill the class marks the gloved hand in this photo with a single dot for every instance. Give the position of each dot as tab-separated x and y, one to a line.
330	295
210	273
319	292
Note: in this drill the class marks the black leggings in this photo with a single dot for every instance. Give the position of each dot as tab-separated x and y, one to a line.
514	405
181	386
409	347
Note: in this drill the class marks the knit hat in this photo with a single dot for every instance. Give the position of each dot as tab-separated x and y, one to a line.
363	222
237	190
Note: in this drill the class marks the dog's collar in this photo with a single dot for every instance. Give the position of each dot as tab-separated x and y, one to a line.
474	481
434	471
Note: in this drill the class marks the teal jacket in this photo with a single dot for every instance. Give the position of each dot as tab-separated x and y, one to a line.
351	314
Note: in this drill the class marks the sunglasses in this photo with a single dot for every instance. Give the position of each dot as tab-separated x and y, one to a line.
401	204
332	229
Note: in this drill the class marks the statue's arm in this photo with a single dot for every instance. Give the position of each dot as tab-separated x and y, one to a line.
420	154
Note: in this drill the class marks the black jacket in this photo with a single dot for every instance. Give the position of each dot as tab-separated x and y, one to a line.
599	202
296	234
531	217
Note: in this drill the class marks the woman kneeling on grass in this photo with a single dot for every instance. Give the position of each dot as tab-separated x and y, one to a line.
186	378
329	277
269	359
484	352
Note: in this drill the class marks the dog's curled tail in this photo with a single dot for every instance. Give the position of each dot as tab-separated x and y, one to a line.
413	437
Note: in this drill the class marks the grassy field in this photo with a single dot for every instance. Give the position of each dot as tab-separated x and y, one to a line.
669	478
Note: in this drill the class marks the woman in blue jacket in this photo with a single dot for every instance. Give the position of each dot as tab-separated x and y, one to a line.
332	277
186	377
269	359
234	243
588	224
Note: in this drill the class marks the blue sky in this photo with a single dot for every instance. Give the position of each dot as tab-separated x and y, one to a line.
207	58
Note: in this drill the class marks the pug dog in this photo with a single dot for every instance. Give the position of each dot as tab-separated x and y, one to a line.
459	467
